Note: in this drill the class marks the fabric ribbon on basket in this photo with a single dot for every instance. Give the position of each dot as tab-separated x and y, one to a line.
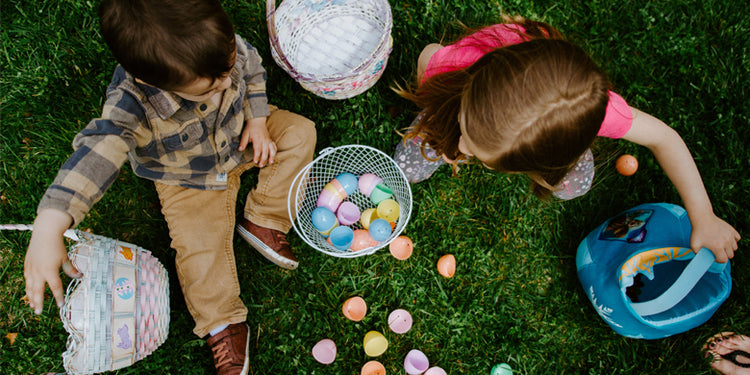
335	49
117	313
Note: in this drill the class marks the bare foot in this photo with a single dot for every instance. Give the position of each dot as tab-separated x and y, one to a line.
731	353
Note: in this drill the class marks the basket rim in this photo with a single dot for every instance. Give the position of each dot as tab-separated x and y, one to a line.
291	197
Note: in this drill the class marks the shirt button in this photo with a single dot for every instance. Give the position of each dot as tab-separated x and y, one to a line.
226	158
184	137
203	107
223	143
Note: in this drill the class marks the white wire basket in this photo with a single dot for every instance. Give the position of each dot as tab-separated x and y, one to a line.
117	313
358	160
335	49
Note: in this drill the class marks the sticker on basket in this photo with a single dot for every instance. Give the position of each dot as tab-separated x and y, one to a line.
123	342
628	227
124	289
125	254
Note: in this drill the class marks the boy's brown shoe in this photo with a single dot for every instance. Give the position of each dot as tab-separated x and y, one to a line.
269	242
230	350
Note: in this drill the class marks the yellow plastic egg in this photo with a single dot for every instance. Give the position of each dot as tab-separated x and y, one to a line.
446	265
401	247
389	210
367	217
375	343
355	308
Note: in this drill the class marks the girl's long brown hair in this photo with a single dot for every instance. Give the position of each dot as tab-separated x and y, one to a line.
532	107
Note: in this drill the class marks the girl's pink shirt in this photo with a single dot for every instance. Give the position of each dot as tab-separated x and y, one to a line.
462	54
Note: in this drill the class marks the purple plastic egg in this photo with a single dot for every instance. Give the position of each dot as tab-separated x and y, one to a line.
329	200
348	213
416	362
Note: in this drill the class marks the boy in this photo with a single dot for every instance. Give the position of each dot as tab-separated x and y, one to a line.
184	103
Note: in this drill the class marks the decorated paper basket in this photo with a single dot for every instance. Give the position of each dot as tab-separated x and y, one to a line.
118	312
335	49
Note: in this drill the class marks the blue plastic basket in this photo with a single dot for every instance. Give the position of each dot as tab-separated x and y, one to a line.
643	279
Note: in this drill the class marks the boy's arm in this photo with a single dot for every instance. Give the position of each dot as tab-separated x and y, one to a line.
45	257
674	157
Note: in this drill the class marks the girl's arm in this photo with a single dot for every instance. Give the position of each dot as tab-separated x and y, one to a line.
674	157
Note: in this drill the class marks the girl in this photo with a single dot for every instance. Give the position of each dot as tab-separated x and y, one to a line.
520	99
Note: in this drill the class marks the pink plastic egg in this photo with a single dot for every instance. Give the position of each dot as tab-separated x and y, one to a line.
435	371
329	200
348	213
446	265
362	240
324	351
400	321
401	247
367	182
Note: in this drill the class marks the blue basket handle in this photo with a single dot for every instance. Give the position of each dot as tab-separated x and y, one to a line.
703	261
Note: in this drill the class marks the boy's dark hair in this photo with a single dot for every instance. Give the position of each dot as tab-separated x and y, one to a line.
169	43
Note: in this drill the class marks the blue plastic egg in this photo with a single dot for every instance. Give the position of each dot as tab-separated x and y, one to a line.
380	230
324	220
349	182
341	237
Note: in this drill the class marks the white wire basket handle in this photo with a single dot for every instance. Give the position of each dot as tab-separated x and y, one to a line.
117	313
331	162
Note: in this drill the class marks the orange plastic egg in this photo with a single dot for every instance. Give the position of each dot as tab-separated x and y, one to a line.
446	265
373	368
627	165
401	247
362	240
354	308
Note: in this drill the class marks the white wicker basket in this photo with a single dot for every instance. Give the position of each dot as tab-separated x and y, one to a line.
355	159
335	49
118	312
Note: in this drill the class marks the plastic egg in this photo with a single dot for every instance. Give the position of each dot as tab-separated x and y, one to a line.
400	321
354	308
435	371
401	247
324	351
502	369
362	240
626	165
367	182
375	343
446	265
341	237
380	193
323	220
348	213
373	368
380	230
367	217
348	181
389	210
329	199
416	362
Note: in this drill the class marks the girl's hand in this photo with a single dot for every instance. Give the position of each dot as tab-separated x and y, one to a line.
255	132
717	235
45	256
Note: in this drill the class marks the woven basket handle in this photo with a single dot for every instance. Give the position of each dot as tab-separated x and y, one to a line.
273	38
70	233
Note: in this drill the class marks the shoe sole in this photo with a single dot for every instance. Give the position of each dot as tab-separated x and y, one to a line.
266	251
246	366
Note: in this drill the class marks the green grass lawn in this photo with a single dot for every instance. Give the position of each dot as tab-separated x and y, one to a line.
515	297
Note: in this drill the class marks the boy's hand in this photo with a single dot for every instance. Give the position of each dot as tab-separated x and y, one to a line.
715	234
45	257
255	132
